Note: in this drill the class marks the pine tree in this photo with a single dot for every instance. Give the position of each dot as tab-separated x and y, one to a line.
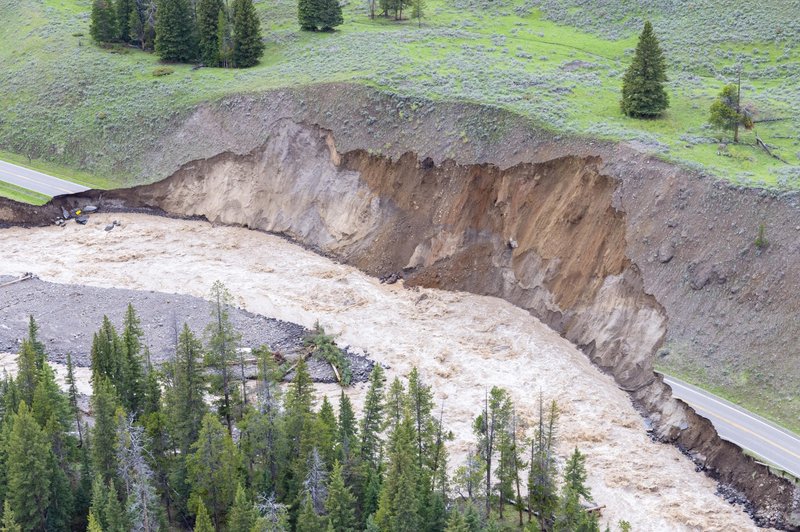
49	403
340	503
122	9
507	470
72	393
114	518
243	514
307	14
104	434
247	44
224	38
213	469
643	94
222	346
420	401
60	511
488	427
184	410
165	464
208	19
103	26
307	519
11	396
27	372
202	522
185	395
300	422
33	339
542	494
473	519
29	454
133	381
435	507
93	525
369	497
175	35
571	517
726	112
326	432
346	432
261	439
575	475
83	491
99	501
329	15
456	523
418	8
372	421
9	519
395	405
399	507
108	355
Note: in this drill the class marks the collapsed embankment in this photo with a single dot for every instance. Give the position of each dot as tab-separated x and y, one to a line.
610	248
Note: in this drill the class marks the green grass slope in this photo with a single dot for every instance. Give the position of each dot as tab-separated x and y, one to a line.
65	100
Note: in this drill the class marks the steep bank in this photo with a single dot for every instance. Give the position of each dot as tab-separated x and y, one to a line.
462	344
596	228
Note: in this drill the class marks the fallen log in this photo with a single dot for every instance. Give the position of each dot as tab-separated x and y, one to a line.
597	509
764	146
24	277
771	120
336	372
291	368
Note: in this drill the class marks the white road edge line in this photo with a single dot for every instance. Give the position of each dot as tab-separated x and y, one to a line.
38	172
744	413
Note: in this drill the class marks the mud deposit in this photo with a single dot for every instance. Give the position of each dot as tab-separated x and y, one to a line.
462	344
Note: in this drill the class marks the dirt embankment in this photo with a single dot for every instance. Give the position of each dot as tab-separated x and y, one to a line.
614	250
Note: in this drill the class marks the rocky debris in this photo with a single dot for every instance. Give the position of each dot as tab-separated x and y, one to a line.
161	317
391	278
83	219
112	225
513	244
666	252
321	371
703	275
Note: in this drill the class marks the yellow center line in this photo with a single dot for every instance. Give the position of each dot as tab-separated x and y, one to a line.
745	429
8	172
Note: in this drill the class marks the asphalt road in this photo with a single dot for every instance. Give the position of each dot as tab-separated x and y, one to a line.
775	445
37	181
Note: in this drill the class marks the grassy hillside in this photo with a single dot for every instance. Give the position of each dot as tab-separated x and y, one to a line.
559	62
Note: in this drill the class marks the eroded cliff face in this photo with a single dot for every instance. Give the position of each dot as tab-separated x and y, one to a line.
551	237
